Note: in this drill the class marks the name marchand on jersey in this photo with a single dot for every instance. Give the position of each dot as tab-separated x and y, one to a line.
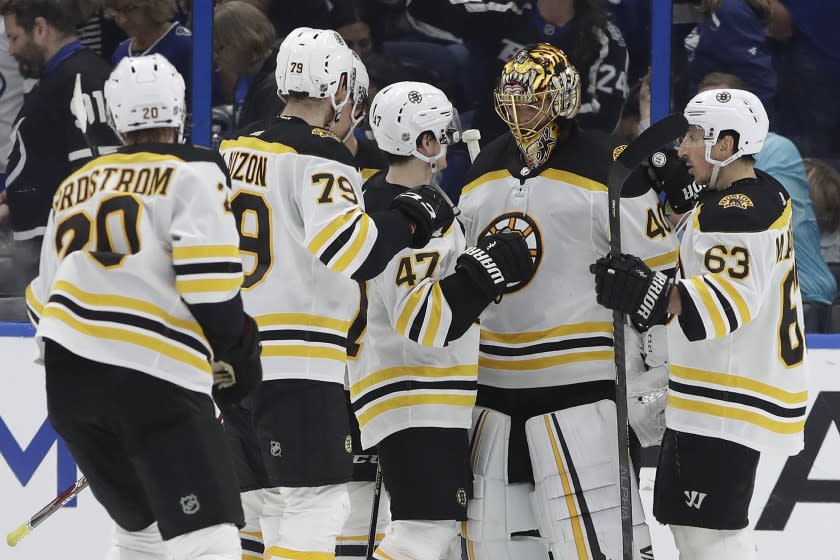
131	237
298	204
738	360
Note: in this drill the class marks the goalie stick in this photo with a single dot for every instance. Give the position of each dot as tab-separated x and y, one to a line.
18	534
662	132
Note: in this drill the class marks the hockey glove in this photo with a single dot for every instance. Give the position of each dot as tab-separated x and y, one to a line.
626	284
429	210
669	175
237	370
497	261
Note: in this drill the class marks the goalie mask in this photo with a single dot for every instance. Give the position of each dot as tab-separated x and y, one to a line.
718	110
145	92
538	86
401	112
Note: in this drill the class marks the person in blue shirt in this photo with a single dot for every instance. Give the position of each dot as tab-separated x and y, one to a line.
150	28
732	39
780	158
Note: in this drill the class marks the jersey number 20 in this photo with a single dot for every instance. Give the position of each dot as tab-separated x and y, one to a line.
120	212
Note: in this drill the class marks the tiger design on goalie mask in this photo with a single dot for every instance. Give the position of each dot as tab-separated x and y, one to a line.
537	86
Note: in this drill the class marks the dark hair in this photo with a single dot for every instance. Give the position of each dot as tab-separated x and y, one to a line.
719	80
63	15
591	17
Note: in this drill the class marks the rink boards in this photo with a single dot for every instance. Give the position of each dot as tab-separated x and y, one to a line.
794	510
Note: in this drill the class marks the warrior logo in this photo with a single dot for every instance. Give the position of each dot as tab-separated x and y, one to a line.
189	504
527	226
694	499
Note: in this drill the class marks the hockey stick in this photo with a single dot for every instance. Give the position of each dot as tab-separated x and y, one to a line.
18	534
77	107
471	138
374	513
662	132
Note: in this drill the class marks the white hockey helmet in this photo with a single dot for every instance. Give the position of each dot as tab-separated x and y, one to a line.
360	91
717	110
313	61
145	92
401	112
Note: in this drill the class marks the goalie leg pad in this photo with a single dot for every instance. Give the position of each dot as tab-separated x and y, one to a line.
576	496
217	542
352	542
409	539
497	509
301	520
695	543
145	544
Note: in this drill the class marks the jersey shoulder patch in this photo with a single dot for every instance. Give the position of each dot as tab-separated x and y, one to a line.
307	140
749	206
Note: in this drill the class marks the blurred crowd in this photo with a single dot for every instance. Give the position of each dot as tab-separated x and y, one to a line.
787	52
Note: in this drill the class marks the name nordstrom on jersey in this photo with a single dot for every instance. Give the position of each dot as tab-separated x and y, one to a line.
146	181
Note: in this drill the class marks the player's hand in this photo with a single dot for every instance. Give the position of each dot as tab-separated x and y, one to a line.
669	175
625	283
429	210
238	370
497	261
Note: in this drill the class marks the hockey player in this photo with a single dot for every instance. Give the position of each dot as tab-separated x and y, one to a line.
545	424
47	144
738	373
304	236
138	293
414	383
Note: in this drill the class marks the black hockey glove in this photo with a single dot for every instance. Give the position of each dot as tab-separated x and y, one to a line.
496	261
626	284
237	370
669	175
428	208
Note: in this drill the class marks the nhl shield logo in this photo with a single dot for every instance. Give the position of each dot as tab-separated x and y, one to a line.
189	504
461	497
274	449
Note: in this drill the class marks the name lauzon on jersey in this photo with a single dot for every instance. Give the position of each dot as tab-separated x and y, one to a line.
147	181
247	168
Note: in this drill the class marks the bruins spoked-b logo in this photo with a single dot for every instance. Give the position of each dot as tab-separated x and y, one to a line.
527	226
723	97
415	96
461	497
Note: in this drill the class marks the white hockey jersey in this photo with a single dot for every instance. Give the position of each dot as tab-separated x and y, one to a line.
130	238
551	331
298	203
405	375
738	357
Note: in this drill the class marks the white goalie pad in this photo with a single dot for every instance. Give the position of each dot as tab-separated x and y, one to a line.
497	509
576	496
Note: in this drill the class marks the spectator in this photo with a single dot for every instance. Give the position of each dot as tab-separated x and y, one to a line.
494	31
101	34
350	19
245	56
809	68
780	158
732	39
825	192
48	144
149	26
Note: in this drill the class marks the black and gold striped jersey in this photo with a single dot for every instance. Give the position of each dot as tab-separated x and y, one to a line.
133	239
551	331
304	233
738	358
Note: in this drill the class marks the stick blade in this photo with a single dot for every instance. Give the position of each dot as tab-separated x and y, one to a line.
661	132
18	534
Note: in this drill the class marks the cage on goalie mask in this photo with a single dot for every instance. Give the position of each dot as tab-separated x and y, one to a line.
537	85
315	62
145	92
